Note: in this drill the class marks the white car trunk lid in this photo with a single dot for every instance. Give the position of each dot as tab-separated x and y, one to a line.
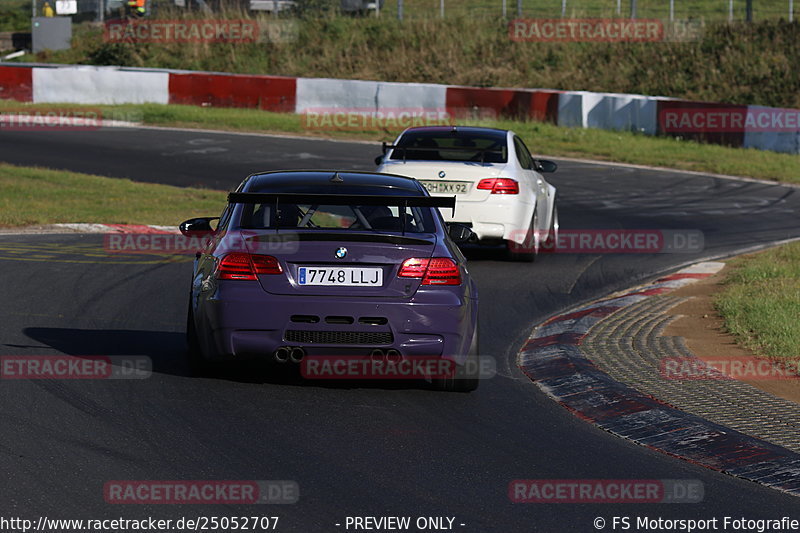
444	178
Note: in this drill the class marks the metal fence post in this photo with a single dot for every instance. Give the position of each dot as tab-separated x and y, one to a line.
671	10
730	11
399	9
563	8
619	8
633	9
749	11
505	9
519	8
791	10
441	8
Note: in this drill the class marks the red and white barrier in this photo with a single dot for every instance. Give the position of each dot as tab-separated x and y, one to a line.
651	115
331	94
525	104
316	93
607	111
781	134
671	112
269	93
16	83
100	85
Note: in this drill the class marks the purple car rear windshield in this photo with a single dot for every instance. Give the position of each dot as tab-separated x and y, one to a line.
451	146
340	217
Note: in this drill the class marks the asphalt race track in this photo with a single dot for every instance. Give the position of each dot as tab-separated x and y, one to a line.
354	449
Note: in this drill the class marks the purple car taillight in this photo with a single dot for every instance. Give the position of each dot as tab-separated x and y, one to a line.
433	271
241	266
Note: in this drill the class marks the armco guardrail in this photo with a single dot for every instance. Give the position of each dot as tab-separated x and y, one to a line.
757	127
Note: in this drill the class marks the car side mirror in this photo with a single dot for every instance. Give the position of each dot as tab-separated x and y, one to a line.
460	233
379	160
197	226
545	166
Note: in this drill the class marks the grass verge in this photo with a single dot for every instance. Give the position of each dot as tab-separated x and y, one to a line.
760	302
30	196
543	139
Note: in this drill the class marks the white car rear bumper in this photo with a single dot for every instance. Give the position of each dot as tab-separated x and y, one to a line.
498	217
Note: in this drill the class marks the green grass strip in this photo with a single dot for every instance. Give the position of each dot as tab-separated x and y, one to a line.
760	303
32	196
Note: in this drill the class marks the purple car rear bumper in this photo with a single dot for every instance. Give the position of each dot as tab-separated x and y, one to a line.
241	321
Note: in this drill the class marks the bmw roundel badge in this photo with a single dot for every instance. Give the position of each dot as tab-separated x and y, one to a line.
442	174
341	252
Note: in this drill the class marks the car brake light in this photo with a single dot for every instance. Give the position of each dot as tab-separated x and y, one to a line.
499	185
242	266
434	271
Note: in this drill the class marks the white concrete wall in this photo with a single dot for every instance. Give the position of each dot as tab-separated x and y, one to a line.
784	139
324	93
607	111
99	85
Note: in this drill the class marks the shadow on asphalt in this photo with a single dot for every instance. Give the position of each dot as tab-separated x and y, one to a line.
168	353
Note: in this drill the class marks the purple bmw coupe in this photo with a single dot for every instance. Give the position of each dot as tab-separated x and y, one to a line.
334	264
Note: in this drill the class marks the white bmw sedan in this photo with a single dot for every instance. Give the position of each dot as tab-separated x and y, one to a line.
500	191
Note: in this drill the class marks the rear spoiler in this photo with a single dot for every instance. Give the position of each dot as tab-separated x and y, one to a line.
447	202
403	202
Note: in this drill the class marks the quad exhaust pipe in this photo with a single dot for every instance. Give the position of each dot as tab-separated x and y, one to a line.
390	356
393	356
296	355
285	354
282	354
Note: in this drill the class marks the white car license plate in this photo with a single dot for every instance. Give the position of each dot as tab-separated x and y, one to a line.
450	187
342	276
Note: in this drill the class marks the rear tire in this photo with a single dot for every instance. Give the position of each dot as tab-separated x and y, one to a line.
467	376
198	364
550	243
528	250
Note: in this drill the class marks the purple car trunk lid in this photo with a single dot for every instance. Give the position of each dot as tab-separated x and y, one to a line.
351	262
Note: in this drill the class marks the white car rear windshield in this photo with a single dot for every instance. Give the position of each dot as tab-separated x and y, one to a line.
451	146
